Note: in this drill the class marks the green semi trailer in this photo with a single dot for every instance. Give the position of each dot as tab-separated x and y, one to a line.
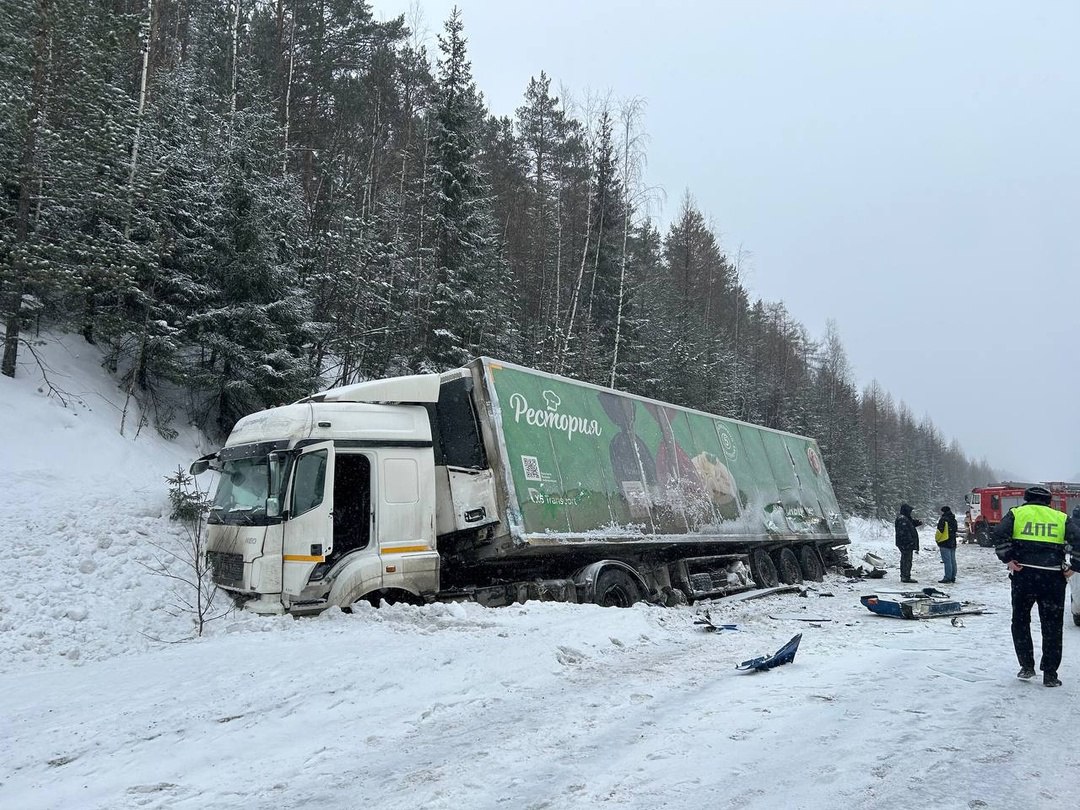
498	483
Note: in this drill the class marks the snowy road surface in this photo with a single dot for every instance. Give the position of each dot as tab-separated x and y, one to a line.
554	706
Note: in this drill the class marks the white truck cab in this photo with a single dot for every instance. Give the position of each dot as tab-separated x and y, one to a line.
328	500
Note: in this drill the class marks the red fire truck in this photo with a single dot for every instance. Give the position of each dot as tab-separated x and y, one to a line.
990	503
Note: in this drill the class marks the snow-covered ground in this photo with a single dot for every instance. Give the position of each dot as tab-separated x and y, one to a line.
452	706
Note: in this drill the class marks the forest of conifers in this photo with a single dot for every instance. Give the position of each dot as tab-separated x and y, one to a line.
248	200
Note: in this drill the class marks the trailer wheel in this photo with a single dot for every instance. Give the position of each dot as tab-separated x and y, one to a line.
812	567
615	588
762	569
787	567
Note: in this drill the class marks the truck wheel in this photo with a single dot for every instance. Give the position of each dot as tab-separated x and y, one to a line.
787	566
1076	619
762	569
615	588
811	564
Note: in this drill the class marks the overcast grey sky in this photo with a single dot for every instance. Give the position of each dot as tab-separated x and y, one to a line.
908	169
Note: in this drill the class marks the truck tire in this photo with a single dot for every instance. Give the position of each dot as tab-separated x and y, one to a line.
812	567
615	588
1076	619
787	566
762	569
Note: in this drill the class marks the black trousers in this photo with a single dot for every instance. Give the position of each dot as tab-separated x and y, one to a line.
1033	586
906	555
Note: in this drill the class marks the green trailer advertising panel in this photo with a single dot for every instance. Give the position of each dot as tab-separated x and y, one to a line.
587	461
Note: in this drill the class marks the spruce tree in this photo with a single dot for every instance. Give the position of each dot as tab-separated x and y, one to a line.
692	257
471	291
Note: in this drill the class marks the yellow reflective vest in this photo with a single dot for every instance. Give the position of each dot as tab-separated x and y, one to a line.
1038	524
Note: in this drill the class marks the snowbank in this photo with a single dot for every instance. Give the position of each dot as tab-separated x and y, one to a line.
83	507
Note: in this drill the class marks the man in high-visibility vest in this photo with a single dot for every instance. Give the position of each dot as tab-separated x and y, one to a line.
1033	540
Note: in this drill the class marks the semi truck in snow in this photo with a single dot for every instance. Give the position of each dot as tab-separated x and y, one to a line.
991	503
501	484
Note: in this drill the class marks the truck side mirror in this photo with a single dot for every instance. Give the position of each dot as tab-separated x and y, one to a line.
210	461
273	507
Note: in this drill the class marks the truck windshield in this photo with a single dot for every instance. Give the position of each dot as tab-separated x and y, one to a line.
244	486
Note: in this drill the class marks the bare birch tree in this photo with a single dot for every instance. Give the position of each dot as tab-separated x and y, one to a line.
590	112
144	41
631	170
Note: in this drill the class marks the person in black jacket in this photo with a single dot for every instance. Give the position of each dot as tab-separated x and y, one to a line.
946	530
1033	540
907	540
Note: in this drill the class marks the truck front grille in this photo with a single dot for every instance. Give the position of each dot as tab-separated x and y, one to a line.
228	568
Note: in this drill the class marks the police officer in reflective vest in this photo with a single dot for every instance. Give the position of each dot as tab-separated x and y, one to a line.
1033	540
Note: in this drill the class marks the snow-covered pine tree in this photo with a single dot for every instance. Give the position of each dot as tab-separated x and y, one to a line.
502	168
250	330
836	410
24	33
470	304
407	252
566	219
26	70
880	425
692	257
102	177
541	127
70	114
644	362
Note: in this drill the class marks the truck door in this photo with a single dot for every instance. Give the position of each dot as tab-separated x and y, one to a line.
353	515
309	529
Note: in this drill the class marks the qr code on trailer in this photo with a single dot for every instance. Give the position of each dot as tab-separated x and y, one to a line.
531	467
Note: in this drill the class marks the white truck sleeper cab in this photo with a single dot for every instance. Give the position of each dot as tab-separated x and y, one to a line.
324	503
